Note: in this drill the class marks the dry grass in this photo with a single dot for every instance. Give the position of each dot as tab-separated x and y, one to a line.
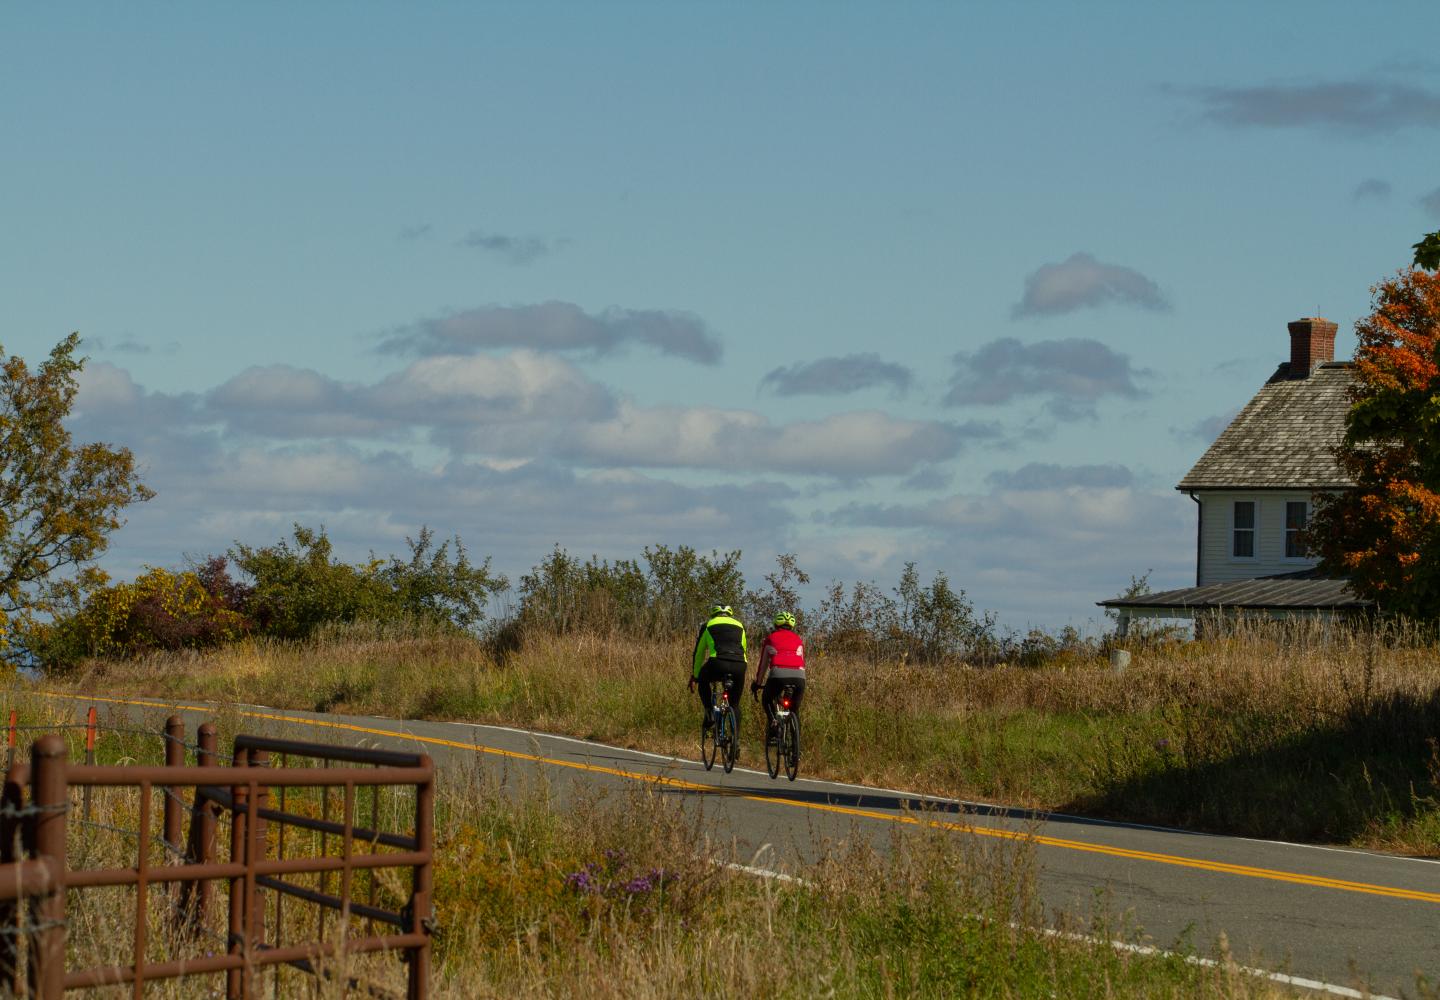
1309	735
627	896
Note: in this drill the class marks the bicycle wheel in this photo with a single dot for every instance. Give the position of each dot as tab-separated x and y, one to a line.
732	739
791	730
708	743
774	753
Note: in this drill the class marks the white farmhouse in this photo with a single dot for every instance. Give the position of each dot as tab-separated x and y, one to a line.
1253	490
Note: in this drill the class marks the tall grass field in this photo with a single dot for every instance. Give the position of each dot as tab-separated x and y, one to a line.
1300	734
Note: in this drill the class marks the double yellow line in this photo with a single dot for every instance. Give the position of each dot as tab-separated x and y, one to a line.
1224	868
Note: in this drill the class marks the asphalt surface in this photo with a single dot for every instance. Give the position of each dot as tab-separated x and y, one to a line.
1356	919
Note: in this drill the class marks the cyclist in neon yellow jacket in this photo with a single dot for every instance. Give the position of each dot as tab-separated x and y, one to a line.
719	654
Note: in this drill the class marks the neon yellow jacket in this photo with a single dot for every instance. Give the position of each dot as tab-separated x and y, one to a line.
720	638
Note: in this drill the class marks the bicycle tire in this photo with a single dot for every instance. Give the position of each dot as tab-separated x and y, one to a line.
709	743
792	745
732	741
774	753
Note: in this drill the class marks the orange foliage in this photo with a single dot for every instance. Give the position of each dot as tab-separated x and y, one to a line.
1385	534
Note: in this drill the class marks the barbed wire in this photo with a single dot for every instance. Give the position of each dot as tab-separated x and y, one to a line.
22	930
101	731
8	811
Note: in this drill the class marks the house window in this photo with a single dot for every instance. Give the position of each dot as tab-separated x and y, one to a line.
1295	515
1243	545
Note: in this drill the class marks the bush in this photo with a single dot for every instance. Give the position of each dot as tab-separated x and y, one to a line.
298	589
159	610
672	593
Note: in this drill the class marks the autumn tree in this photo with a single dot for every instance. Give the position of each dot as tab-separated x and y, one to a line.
1427	251
1385	533
59	501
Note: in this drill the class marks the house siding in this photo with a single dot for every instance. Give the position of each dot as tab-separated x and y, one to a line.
1217	565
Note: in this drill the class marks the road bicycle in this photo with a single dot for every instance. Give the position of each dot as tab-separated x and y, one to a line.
722	739
783	745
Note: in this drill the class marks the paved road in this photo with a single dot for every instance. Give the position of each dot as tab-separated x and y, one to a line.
1339	916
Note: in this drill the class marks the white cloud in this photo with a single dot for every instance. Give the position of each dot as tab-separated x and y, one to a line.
559	326
1034	554
855	444
1071	375
1080	281
837	376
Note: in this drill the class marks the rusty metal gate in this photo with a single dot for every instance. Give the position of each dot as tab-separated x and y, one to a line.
286	823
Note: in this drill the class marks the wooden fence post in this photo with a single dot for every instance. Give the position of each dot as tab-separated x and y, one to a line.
174	757
255	928
91	728
420	891
237	981
195	897
12	801
49	793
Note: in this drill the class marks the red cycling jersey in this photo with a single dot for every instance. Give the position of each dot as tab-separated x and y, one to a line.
782	652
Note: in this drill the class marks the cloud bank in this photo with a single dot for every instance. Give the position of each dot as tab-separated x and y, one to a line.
837	376
1355	107
559	326
1071	375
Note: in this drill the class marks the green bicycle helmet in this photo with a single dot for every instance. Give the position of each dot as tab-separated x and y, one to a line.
722	609
784	620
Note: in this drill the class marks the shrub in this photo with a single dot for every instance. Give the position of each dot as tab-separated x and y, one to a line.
672	593
159	610
297	589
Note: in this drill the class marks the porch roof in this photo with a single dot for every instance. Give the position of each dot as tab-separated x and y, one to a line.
1305	590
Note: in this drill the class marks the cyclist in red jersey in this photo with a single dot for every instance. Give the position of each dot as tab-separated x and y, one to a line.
782	663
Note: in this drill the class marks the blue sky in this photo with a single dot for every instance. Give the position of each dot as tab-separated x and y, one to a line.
964	284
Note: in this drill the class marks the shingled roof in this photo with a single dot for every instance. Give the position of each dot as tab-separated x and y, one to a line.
1284	437
1304	590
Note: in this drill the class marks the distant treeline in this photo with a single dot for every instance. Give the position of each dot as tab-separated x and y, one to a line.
296	588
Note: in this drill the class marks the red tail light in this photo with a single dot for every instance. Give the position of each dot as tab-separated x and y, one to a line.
784	702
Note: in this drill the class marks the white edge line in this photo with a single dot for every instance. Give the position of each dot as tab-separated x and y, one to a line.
1127	946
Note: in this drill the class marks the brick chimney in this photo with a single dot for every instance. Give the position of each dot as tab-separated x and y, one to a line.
1312	342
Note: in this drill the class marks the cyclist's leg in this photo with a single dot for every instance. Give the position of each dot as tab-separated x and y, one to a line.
707	674
736	672
768	695
799	684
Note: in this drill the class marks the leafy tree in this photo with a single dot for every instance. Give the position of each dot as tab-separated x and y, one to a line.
941	622
1385	533
671	593
439	583
781	594
1427	251
59	501
685	584
562	594
298	588
855	619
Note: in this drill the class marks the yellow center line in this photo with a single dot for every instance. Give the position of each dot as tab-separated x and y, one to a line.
1042	840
